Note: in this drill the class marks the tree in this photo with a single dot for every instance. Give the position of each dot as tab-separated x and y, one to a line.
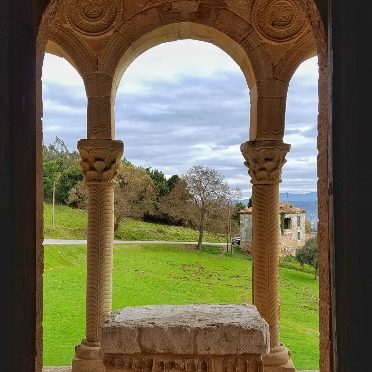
163	187
308	226
308	254
78	196
235	213
178	205
61	170
249	205
134	194
202	197
160	181
172	181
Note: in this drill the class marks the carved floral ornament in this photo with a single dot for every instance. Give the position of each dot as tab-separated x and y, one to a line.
278	21
265	160
93	17
100	159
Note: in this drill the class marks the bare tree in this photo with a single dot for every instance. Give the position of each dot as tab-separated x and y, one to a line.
202	197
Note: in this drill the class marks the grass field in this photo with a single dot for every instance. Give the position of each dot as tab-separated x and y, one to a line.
71	223
170	275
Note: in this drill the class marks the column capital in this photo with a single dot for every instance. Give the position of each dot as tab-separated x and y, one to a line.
265	160
100	159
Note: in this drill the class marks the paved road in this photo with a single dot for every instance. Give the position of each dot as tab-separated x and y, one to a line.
84	242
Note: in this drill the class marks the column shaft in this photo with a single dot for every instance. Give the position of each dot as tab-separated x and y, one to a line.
100	163
265	199
265	160
99	257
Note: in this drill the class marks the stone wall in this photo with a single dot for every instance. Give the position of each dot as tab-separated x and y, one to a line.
291	238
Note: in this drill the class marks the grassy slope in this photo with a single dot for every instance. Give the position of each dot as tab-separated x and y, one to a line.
170	275
71	224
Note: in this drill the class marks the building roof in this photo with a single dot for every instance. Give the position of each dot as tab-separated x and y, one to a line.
283	208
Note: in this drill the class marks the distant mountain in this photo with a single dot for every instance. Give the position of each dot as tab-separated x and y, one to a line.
291	198
308	201
310	196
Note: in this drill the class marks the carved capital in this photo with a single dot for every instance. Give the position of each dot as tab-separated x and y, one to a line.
264	160
100	159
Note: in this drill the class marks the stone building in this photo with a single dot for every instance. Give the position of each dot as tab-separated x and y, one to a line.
291	224
268	39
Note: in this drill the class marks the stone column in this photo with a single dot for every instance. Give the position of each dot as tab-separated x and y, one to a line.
100	162
265	160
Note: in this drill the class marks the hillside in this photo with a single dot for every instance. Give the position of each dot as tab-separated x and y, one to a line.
145	275
70	223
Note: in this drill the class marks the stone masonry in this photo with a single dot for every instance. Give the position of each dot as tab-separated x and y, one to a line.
291	223
185	338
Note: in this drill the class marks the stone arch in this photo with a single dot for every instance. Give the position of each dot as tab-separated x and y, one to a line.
119	55
66	45
291	60
263	71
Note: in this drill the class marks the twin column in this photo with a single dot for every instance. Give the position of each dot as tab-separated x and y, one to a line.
100	163
265	160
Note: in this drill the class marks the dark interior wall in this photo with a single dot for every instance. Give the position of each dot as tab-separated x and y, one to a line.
323	10
18	28
351	102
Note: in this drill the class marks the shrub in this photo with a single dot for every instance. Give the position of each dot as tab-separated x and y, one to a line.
308	254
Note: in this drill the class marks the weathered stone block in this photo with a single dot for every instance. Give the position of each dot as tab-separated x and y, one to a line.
191	329
185	338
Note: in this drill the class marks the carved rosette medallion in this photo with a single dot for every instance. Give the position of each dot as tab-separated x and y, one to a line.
100	159
265	160
93	17
278	21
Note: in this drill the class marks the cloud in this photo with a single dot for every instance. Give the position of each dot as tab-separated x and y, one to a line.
173	60
57	70
191	106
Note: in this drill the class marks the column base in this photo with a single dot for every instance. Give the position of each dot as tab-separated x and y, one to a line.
278	361
88	358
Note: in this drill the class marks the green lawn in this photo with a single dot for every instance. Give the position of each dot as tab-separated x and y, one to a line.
170	275
70	223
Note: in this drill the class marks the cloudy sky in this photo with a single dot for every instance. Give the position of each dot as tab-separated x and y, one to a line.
186	103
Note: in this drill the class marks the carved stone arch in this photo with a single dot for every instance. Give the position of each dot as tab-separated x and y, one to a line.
120	53
288	64
64	43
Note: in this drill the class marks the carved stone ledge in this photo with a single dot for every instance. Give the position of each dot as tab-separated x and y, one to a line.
100	159
264	160
181	363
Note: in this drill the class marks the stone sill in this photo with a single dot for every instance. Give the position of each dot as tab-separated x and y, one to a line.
186	330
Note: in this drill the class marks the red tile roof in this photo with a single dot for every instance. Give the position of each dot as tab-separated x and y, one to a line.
283	208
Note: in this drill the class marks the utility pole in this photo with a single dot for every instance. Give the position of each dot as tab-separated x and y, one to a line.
228	227
54	201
